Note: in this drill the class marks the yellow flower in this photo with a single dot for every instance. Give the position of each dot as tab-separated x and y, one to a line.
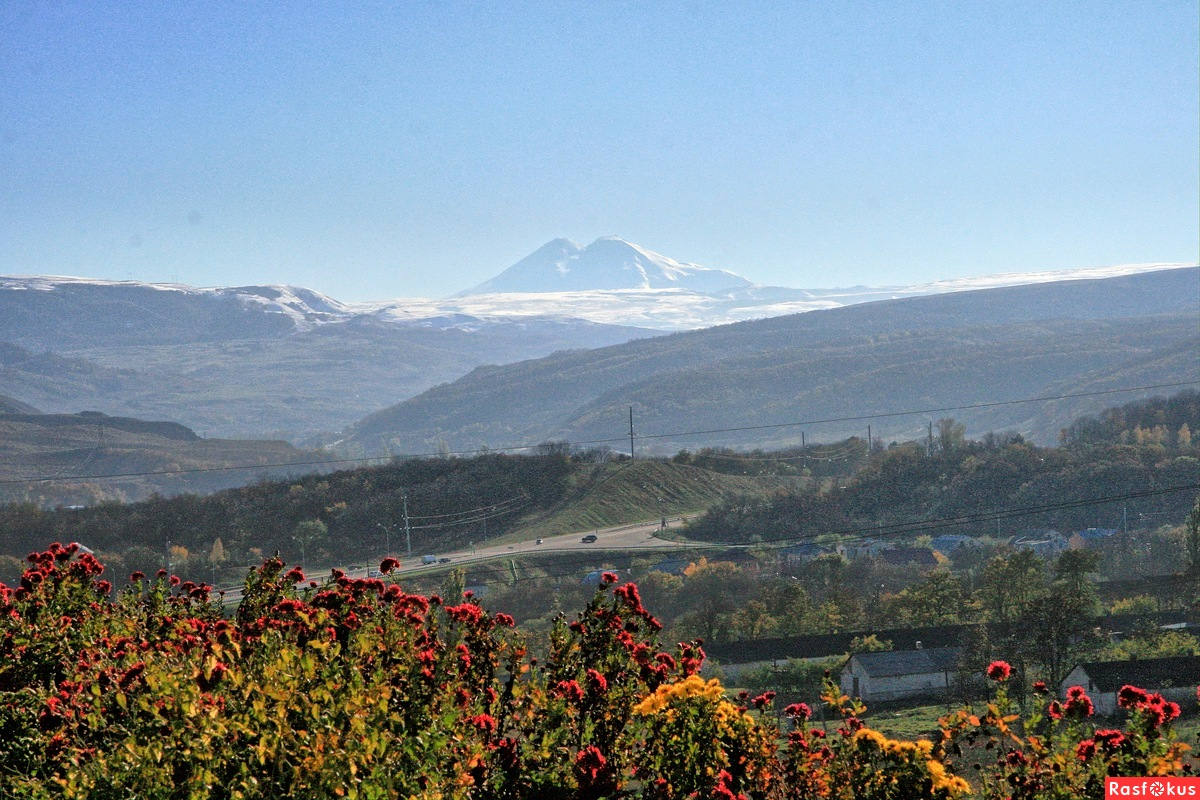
691	686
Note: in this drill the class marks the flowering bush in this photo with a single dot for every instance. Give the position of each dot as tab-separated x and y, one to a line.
357	689
1063	753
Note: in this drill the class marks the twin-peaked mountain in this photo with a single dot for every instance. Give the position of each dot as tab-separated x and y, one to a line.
607	264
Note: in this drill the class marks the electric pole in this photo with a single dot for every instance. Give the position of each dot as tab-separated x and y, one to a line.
631	456
407	530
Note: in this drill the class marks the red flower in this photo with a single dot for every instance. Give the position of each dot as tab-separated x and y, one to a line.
389	565
1078	705
1085	750
1055	710
597	682
798	711
484	722
1039	687
999	671
592	771
569	690
295	575
628	592
1131	696
763	700
607	578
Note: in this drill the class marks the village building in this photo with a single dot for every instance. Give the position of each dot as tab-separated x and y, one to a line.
901	674
1175	678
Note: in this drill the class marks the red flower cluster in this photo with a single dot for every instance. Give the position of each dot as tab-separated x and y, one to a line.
763	700
1157	708
999	671
1078	705
798	711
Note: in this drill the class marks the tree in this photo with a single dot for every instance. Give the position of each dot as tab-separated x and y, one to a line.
950	434
307	533
217	557
937	600
1193	538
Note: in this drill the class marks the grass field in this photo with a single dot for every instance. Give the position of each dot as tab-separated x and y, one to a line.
637	491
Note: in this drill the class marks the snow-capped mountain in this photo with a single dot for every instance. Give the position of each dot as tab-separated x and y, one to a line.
607	264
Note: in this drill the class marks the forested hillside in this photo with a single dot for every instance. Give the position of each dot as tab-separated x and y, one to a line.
351	516
975	488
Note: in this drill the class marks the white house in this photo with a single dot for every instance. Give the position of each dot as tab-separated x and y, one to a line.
1175	678
899	674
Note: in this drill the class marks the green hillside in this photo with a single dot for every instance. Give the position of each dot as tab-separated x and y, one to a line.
636	491
450	502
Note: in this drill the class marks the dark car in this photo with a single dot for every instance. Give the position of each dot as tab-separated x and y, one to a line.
443	560
591	537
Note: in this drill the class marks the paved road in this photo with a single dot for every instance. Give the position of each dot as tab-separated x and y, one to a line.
638	536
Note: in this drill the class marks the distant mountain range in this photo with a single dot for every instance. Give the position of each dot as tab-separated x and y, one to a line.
258	361
956	349
290	363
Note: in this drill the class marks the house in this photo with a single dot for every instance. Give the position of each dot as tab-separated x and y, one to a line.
859	549
1046	543
900	674
1175	678
1091	537
921	557
947	543
802	553
671	566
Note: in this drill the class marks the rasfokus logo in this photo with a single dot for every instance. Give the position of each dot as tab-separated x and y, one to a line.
1152	787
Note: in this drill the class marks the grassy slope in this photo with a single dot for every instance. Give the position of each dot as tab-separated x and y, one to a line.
637	491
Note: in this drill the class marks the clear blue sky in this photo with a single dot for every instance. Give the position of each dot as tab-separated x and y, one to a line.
417	148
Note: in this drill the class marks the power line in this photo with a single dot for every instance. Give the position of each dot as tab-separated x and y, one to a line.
489	507
915	411
481	451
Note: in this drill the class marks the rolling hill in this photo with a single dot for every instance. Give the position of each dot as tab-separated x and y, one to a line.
937	351
62	459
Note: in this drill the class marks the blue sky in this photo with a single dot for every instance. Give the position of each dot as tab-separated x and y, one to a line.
417	148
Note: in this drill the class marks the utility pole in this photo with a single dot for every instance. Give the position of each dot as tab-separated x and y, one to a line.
929	447
407	530
869	439
631	456
803	444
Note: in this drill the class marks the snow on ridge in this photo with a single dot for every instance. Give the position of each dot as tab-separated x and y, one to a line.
666	309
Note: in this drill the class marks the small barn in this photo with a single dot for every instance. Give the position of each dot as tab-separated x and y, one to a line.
1175	678
900	674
